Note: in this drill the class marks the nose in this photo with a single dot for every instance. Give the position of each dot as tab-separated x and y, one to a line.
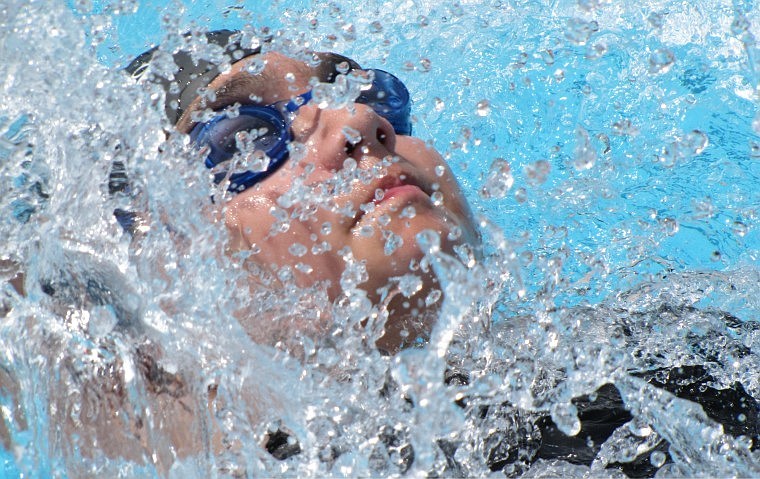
337	134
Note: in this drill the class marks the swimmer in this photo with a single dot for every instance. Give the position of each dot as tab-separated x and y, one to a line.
369	186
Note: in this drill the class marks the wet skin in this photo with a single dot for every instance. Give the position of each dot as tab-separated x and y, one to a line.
402	168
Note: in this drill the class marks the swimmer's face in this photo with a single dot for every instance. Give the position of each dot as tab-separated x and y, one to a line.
407	187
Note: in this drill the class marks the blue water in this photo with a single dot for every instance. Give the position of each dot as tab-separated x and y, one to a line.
632	137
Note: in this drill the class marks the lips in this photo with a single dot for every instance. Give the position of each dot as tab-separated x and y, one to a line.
396	184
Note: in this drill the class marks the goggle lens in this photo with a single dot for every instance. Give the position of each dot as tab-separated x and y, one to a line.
268	128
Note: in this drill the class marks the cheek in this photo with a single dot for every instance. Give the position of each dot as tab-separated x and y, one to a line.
435	169
416	152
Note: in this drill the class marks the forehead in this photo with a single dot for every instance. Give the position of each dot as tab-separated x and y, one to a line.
267	78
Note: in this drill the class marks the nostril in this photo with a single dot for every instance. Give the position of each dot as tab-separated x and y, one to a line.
349	148
381	136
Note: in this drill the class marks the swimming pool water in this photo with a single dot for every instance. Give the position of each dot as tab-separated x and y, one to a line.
610	150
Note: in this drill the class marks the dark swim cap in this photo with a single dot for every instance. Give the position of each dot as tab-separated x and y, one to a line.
189	75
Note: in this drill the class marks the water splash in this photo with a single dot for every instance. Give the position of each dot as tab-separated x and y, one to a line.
114	332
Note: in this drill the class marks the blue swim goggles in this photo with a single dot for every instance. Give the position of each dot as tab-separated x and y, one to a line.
268	127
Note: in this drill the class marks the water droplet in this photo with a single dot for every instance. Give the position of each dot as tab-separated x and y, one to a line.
319	248
349	32
624	127
499	180
538	172
392	242
255	66
585	155
439	105
326	228
366	231
670	226
409	284
429	241
754	149
408	212
740	25
437	198
483	108
657	458
257	161
521	195
375	27
304	268
433	297
440	170
425	65
548	57
596	51
353	136
565	416
739	228
661	61
694	142
591	5
578	30
297	250
656	19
